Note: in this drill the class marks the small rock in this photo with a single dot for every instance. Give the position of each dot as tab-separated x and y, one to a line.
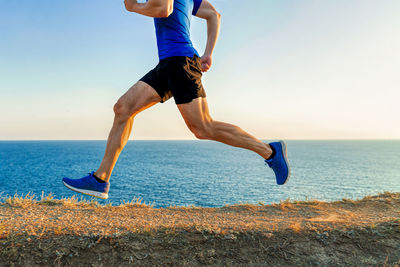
231	237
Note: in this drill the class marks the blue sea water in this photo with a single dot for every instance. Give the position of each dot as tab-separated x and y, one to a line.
203	173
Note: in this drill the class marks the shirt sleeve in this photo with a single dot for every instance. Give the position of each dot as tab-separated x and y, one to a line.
196	6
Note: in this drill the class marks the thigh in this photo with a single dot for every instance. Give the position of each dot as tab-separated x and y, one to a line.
195	113
139	97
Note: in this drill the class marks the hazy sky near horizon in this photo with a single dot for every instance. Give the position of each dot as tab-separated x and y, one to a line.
286	69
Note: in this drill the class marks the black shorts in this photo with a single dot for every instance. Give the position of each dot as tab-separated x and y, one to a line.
179	77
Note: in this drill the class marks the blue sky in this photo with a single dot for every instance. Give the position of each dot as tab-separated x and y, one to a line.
282	69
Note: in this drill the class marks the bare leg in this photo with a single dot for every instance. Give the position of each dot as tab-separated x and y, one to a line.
138	98
199	121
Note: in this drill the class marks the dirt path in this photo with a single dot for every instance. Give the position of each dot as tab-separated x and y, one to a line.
66	232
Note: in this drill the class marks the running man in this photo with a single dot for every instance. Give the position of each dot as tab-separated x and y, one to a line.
178	74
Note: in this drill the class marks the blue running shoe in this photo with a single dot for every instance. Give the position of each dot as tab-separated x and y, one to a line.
88	185
279	163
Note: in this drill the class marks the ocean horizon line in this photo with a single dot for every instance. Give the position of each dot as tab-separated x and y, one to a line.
291	139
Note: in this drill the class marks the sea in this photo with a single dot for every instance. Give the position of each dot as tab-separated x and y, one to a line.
203	173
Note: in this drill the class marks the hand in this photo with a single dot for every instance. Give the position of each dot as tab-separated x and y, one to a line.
206	62
129	4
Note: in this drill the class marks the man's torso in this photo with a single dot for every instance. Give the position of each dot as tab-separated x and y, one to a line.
173	32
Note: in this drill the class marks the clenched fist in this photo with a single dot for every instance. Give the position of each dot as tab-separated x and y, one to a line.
129	4
206	62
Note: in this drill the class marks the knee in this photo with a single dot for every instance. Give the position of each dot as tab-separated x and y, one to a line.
122	111
203	132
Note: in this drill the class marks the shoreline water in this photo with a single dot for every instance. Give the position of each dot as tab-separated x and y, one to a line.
204	173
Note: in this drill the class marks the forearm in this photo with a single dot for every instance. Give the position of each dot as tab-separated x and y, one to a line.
213	25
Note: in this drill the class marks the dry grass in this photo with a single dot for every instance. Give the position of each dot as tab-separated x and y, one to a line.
137	203
20	200
27	214
273	231
30	200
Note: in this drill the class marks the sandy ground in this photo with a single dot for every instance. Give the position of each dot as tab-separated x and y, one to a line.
71	233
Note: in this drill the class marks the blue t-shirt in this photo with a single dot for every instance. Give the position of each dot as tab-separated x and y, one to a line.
173	32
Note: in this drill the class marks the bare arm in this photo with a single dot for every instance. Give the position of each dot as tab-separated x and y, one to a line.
152	8
209	13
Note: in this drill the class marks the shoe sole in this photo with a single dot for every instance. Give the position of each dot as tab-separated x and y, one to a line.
284	150
87	192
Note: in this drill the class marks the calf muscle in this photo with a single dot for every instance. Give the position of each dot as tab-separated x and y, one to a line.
199	121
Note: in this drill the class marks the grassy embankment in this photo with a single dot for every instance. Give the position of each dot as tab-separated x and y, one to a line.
309	233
